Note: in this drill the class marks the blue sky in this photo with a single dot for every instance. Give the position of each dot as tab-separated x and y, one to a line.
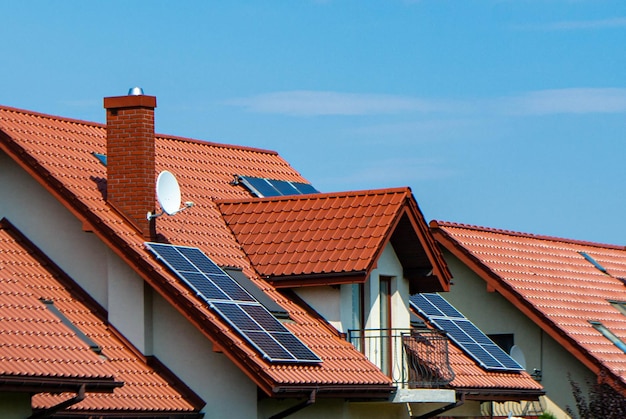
504	113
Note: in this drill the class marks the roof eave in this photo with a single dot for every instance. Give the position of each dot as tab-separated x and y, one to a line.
42	384
495	283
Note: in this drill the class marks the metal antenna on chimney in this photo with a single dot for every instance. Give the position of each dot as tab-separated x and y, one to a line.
135	91
168	195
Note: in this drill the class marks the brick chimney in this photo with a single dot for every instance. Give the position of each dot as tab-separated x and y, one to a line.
130	158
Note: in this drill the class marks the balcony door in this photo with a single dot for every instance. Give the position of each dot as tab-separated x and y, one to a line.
384	295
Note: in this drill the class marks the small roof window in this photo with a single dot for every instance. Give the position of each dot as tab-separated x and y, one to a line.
608	334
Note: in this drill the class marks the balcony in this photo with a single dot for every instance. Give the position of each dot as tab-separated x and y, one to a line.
412	358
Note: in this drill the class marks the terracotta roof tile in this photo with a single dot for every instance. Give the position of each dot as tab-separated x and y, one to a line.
35	342
564	290
314	234
204	171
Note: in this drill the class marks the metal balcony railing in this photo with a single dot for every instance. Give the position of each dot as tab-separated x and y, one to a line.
412	358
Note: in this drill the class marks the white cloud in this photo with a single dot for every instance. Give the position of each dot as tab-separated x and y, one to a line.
567	101
315	103
574	25
587	24
541	102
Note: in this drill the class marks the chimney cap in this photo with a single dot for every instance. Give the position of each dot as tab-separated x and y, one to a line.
135	91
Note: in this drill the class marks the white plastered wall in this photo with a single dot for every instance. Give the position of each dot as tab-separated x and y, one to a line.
148	322
228	392
493	314
52	228
336	304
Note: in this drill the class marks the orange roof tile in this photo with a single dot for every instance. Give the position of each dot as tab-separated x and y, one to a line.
57	152
330	234
313	234
36	343
549	280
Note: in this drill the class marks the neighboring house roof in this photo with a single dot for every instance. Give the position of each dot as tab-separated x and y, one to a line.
480	384
552	282
58	153
335	237
40	353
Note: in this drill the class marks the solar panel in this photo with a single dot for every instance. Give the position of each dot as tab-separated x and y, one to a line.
305	188
284	187
463	332
264	188
259	186
234	304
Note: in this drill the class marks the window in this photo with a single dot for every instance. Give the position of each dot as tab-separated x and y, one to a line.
504	341
608	334
385	323
619	305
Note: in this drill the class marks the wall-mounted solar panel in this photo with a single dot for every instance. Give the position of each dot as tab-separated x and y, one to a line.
463	332
234	304
264	188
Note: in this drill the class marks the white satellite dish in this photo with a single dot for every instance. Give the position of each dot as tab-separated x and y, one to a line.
168	192
168	195
518	355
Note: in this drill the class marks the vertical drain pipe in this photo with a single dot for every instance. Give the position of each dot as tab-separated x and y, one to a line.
80	396
297	407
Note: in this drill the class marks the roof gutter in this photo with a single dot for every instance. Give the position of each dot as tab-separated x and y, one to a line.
296	408
46	413
316	279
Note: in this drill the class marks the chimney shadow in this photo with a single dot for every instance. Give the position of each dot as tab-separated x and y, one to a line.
101	184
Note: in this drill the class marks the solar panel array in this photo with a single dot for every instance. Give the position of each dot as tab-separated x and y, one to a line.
463	332
234	304
264	188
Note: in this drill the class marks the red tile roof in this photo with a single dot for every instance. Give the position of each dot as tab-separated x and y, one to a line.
57	152
550	281
330	235
468	375
38	349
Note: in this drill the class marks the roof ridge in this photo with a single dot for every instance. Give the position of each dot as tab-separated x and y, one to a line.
214	144
364	192
156	135
440	223
51	116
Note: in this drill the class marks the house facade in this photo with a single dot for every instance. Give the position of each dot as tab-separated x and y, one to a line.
337	265
546	300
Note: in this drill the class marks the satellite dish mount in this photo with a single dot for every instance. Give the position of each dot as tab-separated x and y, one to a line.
168	196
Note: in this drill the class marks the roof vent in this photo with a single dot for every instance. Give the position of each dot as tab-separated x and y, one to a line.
135	91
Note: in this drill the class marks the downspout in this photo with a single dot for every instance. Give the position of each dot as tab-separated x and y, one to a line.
294	409
80	396
445	408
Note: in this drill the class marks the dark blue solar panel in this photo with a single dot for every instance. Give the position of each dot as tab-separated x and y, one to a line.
284	187
232	288
234	304
204	286
425	306
172	257
262	187
259	186
264	318
463	332
444	306
199	259
268	345
305	188
295	346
